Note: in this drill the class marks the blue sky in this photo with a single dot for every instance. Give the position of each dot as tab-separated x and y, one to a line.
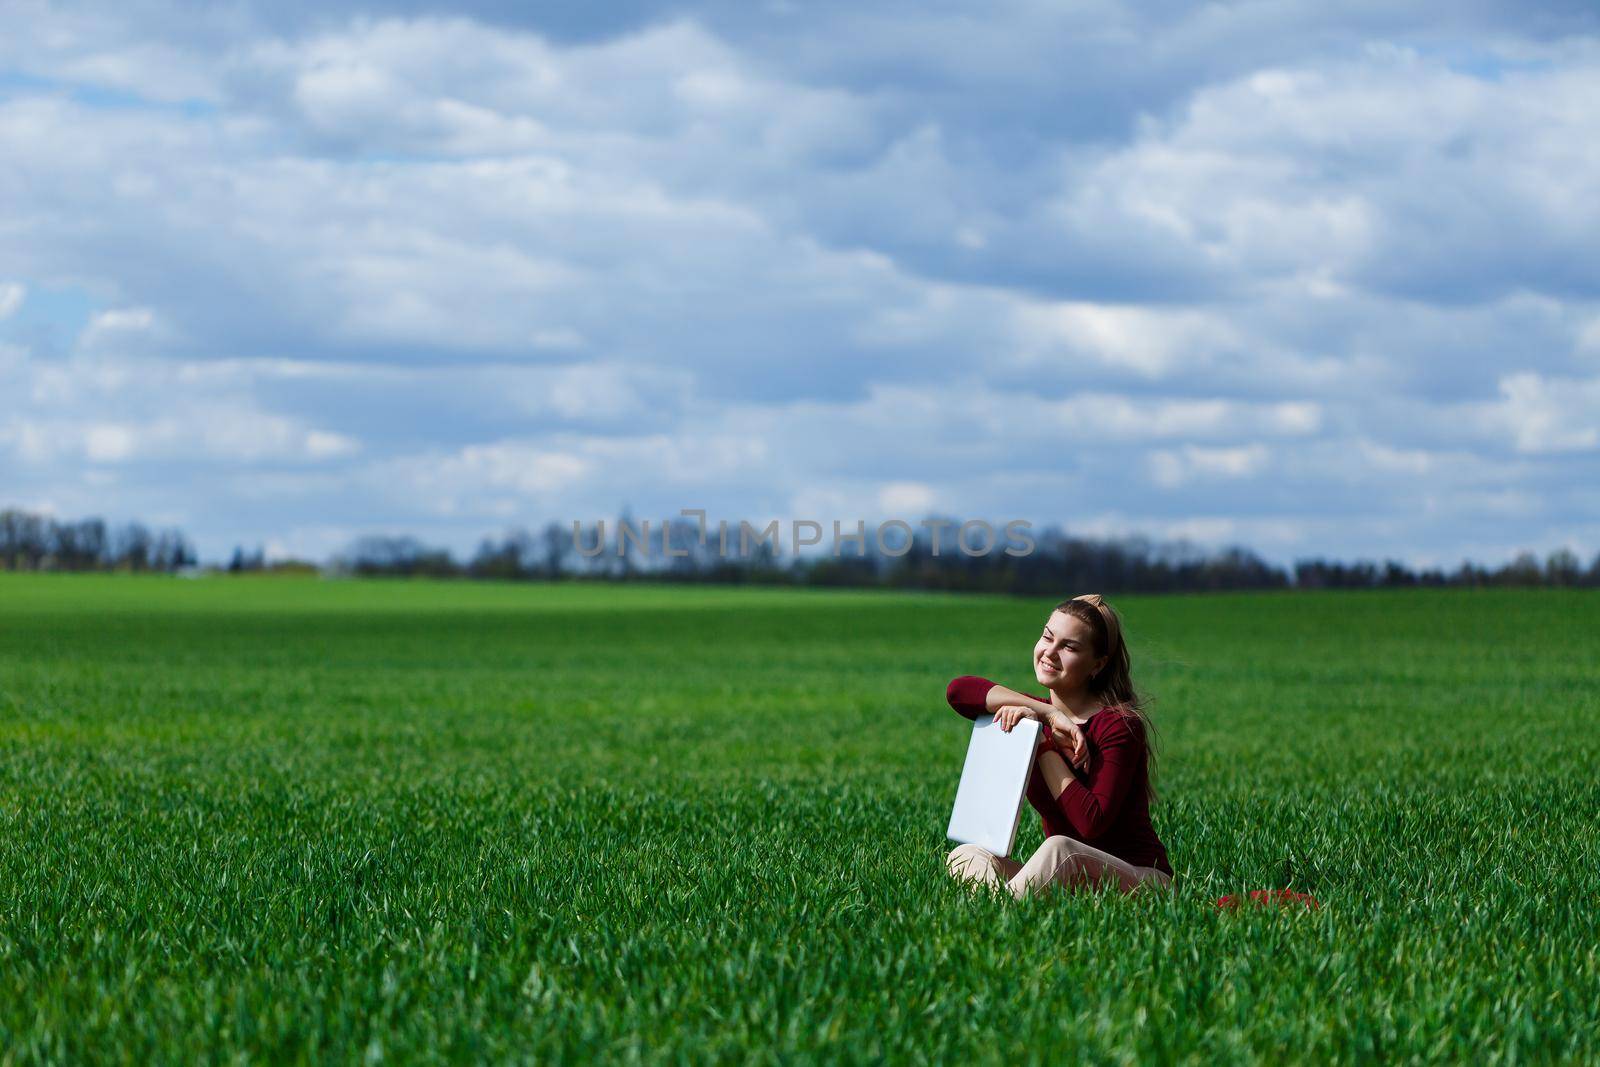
1318	279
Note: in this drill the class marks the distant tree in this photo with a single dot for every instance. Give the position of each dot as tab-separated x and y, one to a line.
436	563
631	534
132	547
170	551
32	540
595	554
1563	568
1524	570
94	544
36	542
508	560
1397	574
245	561
554	545
64	552
396	556
11	538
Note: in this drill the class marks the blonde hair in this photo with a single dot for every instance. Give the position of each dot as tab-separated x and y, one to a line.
1112	684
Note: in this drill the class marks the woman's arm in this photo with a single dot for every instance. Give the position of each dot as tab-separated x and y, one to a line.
999	696
972	696
1091	803
1044	786
965	694
1055	773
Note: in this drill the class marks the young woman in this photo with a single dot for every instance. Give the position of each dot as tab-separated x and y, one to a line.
1091	777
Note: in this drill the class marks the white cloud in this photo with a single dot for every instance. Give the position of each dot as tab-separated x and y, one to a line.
406	85
1391	171
906	499
1273	536
1381	457
120	319
122	329
481	479
105	405
501	477
1144	418
1550	415
1151	341
1589	336
109	443
1175	467
11	296
206	435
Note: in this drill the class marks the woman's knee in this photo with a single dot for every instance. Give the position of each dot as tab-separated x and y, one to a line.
1059	849
970	861
1074	863
962	854
1059	859
1058	844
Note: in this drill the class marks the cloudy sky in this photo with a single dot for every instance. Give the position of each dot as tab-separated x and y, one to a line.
1319	279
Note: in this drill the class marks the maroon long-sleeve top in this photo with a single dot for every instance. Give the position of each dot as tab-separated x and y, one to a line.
1105	806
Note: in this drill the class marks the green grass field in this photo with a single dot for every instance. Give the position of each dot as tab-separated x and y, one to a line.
296	820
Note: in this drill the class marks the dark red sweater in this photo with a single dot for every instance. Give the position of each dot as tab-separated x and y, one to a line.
1105	806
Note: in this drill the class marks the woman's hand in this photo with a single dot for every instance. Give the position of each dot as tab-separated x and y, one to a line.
1008	715
1071	743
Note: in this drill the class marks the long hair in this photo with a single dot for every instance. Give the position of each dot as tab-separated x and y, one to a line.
1112	684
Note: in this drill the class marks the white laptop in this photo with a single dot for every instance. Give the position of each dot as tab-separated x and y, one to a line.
993	783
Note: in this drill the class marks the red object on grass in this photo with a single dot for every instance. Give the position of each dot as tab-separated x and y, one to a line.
1263	897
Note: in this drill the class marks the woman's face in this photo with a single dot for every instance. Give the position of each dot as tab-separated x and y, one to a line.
1063	657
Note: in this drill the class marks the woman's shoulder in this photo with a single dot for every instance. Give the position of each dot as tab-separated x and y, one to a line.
1116	720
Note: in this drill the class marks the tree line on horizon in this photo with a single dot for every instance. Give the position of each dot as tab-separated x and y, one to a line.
30	542
560	552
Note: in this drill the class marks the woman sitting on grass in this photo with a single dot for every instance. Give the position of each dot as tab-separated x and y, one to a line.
1091	777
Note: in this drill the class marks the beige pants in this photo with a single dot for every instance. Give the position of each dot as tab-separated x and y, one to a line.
1059	861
